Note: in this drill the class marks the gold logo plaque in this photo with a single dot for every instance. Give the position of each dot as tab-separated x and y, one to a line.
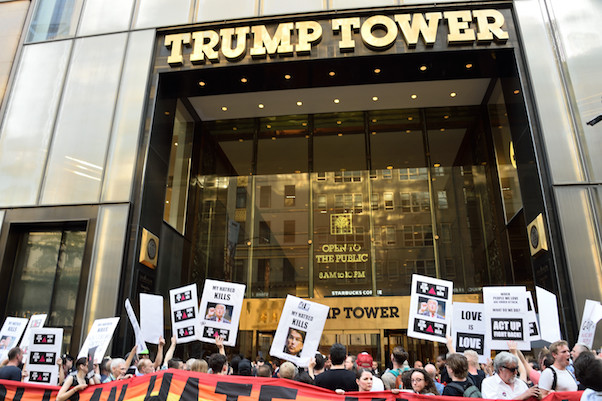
341	223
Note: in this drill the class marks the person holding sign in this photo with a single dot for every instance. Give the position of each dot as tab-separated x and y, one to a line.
74	383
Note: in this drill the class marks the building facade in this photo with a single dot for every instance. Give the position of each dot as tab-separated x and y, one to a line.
325	149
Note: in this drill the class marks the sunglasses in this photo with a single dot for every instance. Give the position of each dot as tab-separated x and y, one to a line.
513	370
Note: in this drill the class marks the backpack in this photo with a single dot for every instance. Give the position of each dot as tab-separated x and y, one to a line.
555	379
471	391
397	374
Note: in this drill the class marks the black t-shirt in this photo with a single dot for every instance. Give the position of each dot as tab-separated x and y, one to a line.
449	390
10	373
478	378
337	378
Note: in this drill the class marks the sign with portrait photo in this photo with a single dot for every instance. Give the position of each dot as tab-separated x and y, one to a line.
44	350
468	329
11	332
506	317
430	308
185	323
220	309
299	330
99	336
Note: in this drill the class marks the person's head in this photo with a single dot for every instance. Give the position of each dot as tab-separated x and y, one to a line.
199	365
472	357
217	364
175	363
578	348
349	362
143	355
220	310
364	379
117	367
506	366
244	368
145	366
561	353
338	353
264	370
260	361
105	366
422	382
319	362
588	370
432	305
406	379
374	366
457	366
431	370
399	356
287	371
294	341
82	364
234	363
441	359
364	360
418	364
68	361
15	355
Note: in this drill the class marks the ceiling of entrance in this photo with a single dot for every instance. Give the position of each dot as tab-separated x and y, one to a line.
400	95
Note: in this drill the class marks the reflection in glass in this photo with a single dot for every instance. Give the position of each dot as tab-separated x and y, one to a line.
54	19
339	142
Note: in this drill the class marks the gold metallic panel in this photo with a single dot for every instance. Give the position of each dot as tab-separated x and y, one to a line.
205	43
345	313
459	28
346	27
379	22
412	30
487	30
538	241
174	42
149	249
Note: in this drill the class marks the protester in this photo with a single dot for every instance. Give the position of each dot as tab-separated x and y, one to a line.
457	369
245	368
422	382
588	370
398	357
77	380
199	365
364	379
12	371
364	361
118	370
65	363
504	384
287	371
145	367
418	364
432	371
218	364
476	374
337	377
350	363
264	371
316	365
558	378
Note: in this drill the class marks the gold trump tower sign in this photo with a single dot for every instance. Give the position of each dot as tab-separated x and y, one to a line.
376	33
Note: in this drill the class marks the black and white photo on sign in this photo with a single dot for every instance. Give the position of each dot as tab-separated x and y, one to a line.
430	308
506	317
299	330
11	332
151	317
220	308
35	322
468	329
549	323
185	322
44	351
99	336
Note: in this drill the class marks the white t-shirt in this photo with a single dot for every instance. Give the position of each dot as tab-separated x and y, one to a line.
377	384
591	395
565	381
495	388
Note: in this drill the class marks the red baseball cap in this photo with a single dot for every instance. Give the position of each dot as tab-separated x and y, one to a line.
364	360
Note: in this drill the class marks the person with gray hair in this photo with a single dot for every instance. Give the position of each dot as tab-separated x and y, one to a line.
504	384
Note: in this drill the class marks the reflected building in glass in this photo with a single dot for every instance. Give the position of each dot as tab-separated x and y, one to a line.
322	149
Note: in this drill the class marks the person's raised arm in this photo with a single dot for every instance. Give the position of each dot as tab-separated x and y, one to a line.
522	371
219	341
170	351
128	361
159	358
450	345
59	362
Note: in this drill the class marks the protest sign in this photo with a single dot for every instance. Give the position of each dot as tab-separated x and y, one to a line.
299	330
34	322
468	329
151	317
137	332
44	350
592	313
11	332
506	317
549	324
221	305
430	308
185	322
99	336
532	325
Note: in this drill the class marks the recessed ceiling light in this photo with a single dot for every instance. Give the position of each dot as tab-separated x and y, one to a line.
339	122
202	83
468	66
516	92
442	129
340	134
299	103
375	98
240	140
268	126
437	165
243	80
389	167
287	76
377	70
414	96
332	73
373	132
410	118
337	101
175	144
446	116
423	68
306	136
224	108
273	138
408	131
374	120
304	124
234	128
260	105
166	113
453	94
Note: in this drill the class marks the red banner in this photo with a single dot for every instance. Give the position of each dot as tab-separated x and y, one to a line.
190	386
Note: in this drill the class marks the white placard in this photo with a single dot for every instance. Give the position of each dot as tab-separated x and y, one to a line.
137	332
221	305
532	325
506	317
44	350
468	329
151	317
549	324
11	332
592	313
35	322
299	330
99	336
185	322
430	308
